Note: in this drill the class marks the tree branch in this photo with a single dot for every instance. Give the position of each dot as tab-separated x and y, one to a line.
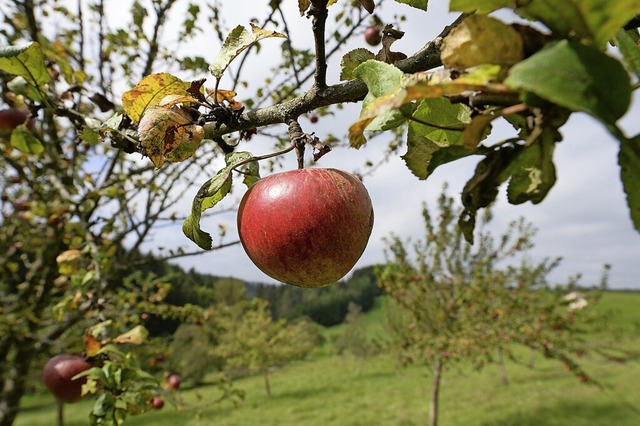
350	91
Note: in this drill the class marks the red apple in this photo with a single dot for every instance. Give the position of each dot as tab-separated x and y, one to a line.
58	374
11	118
306	227
373	35
158	402
174	381
313	118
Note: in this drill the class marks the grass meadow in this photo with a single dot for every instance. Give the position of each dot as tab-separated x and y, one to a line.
329	389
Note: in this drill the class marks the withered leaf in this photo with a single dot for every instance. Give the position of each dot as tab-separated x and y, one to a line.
167	134
368	5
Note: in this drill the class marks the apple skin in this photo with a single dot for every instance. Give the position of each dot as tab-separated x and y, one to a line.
306	227
58	373
174	381
11	118
372	35
158	402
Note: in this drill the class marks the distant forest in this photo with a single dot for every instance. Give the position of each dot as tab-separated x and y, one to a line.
326	306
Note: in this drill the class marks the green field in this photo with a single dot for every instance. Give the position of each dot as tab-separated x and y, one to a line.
328	389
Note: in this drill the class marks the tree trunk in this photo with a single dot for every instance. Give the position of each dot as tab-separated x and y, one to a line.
435	392
503	369
13	384
265	374
60	413
532	359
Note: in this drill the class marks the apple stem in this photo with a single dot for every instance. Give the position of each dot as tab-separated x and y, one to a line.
298	139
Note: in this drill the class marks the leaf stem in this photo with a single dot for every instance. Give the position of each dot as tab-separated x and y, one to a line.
264	157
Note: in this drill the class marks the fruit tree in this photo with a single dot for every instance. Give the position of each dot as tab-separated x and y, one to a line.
125	115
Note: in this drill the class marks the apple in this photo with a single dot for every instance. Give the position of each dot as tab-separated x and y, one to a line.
306	227
174	381
313	118
11	118
373	35
58	374
158	402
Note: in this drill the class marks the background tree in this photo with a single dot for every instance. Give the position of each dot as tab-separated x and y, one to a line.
354	339
458	301
192	351
251	340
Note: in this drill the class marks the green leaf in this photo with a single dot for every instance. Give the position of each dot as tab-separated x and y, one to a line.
210	194
26	61
90	135
532	172
589	21
381	78
251	174
629	160
383	81
436	125
237	42
351	60
576	77
418	4
424	156
25	141
21	86
478	6
627	42
482	189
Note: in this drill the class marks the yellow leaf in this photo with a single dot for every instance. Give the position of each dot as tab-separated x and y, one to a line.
151	90
136	336
226	95
303	5
480	39
91	345
68	256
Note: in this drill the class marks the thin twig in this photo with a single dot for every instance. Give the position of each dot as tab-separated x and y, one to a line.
318	12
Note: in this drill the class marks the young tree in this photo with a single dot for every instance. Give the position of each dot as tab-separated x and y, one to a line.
252	340
460	302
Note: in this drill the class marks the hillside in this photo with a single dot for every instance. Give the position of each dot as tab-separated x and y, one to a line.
345	390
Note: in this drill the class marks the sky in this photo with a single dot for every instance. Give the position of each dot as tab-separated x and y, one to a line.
584	219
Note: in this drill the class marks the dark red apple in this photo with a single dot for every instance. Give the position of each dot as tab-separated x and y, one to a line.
306	227
11	118
313	118
373	35
174	381
158	402
58	373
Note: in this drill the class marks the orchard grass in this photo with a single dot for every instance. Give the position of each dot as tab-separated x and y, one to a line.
343	390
